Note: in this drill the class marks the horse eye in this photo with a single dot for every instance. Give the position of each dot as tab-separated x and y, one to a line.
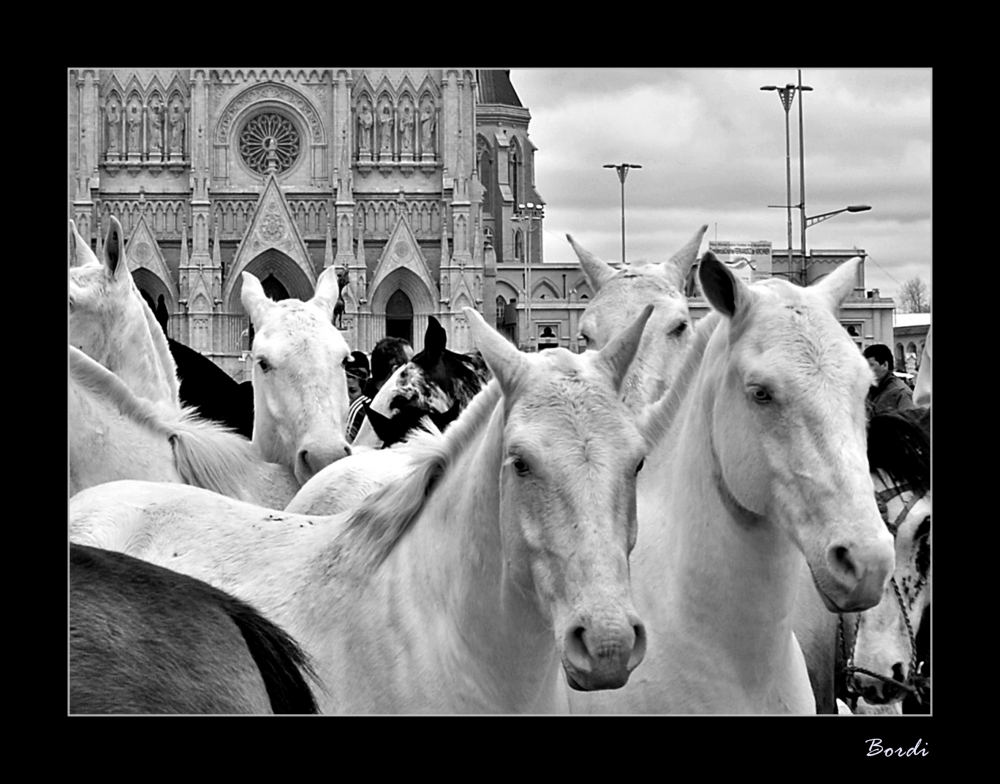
679	329
760	395
520	466
264	365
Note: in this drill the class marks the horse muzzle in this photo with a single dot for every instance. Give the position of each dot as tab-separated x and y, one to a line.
597	658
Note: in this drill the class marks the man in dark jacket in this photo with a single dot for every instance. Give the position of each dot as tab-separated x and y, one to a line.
888	393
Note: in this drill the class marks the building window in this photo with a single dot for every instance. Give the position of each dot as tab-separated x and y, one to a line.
518	244
501	306
269	141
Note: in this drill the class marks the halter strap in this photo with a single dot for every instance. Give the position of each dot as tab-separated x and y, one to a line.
883	497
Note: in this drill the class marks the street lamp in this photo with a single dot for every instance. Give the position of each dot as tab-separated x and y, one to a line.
622	169
528	213
787	95
813	220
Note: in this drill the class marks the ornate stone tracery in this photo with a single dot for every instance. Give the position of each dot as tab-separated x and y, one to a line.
269	142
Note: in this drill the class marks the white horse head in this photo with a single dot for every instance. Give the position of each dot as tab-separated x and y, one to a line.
110	322
619	297
299	382
787	393
570	457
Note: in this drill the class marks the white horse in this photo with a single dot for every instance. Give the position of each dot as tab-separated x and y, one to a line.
501	559
345	484
763	462
299	382
115	434
621	294
111	323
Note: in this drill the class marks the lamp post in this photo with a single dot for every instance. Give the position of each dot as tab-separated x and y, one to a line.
787	95
812	221
622	169
528	213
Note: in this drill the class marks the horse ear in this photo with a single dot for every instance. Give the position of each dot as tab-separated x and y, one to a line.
617	355
80	253
724	291
502	357
327	292
435	338
597	272
679	265
838	285
254	299
114	251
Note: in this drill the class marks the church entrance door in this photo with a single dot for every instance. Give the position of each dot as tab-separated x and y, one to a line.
399	317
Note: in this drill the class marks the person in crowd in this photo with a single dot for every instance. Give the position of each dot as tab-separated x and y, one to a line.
357	378
388	354
888	392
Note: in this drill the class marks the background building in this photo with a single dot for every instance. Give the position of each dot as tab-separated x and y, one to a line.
408	181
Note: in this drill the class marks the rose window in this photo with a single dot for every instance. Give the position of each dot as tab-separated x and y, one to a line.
269	139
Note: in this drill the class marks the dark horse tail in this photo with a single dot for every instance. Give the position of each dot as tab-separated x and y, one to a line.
279	658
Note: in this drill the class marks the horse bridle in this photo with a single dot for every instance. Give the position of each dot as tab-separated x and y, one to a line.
882	499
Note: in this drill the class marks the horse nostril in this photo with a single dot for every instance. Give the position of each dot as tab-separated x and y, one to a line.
897	672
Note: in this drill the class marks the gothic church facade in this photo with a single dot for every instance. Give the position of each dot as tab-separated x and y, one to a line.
405	180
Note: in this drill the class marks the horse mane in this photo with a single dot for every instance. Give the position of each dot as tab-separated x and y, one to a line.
659	417
90	373
207	454
213	456
373	528
899	445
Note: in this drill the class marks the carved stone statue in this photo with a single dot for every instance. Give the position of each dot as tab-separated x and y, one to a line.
155	128
114	125
134	129
385	131
406	129
427	127
176	127
365	123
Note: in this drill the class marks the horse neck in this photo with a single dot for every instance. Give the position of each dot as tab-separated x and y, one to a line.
734	578
142	358
109	440
454	559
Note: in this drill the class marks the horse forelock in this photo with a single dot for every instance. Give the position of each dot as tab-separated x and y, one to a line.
373	529
577	406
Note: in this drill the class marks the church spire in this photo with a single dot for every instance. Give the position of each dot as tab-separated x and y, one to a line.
184	241
328	250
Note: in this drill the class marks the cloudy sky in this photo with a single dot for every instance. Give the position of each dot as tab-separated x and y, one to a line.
712	149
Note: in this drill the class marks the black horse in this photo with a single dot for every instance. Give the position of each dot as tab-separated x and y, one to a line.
436	383
144	639
207	387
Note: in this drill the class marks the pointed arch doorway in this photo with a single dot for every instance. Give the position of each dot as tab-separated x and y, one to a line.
399	317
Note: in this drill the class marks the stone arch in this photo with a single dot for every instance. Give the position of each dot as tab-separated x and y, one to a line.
421	299
544	290
257	98
152	288
272	262
900	357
